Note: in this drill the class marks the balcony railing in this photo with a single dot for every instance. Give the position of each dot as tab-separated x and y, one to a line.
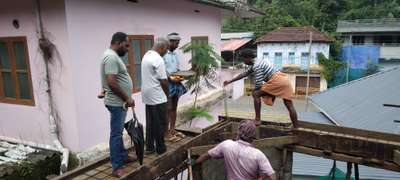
385	22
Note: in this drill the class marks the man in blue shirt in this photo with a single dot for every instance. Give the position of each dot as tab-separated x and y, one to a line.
176	89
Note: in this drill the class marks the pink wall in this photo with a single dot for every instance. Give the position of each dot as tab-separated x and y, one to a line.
30	123
90	26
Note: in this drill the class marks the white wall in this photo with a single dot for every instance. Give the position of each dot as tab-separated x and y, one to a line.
298	48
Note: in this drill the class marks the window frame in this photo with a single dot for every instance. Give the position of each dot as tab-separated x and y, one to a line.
292	59
276	59
10	49
131	58
198	39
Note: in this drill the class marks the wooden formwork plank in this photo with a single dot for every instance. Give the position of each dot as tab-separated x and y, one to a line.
396	157
259	143
346	145
238	119
81	170
350	131
346	158
158	167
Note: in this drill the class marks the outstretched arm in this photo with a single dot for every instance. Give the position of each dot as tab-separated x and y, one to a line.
203	158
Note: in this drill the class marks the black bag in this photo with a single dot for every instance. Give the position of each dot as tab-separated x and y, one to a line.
135	131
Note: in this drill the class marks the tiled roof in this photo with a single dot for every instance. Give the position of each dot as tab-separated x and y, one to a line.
294	34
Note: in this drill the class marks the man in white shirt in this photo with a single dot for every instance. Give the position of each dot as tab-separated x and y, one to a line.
154	95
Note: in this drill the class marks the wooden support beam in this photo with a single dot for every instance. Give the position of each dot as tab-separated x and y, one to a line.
343	143
350	131
396	157
348	173
356	173
173	159
238	119
260	143
346	158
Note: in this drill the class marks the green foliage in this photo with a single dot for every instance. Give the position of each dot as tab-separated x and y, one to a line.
38	166
199	112
372	68
330	67
205	62
73	161
321	14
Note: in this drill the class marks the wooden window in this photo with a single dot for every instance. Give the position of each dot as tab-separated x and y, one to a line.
291	58
278	60
266	56
139	45
199	40
15	75
304	60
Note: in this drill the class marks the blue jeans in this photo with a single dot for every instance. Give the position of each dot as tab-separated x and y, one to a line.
118	153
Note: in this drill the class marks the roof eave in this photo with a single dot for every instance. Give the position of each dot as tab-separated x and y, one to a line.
252	12
306	41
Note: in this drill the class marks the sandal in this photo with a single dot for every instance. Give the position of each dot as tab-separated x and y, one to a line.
172	139
180	135
177	139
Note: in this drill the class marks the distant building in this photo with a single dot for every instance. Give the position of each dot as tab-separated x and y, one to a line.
233	43
288	49
384	33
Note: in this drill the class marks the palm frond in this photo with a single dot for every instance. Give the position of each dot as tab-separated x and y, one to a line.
196	112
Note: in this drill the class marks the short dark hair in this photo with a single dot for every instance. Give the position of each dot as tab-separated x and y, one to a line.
118	37
247	53
173	33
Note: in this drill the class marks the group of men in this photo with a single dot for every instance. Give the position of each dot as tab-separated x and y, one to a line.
160	95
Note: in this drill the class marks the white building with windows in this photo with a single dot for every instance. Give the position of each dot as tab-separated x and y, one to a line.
288	48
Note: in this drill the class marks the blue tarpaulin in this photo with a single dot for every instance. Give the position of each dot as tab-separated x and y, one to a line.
359	58
360	55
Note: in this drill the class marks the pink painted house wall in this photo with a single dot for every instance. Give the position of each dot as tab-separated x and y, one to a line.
31	123
82	30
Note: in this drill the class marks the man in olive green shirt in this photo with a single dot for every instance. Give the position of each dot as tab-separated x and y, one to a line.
117	85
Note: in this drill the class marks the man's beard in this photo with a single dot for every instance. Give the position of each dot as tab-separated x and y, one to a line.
121	53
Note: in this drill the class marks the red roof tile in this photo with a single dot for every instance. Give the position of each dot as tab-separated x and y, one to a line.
293	34
234	44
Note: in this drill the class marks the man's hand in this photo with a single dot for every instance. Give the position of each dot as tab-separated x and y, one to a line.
130	103
226	83
190	162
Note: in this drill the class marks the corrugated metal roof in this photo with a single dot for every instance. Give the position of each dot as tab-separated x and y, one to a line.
237	35
314	117
310	165
234	44
359	103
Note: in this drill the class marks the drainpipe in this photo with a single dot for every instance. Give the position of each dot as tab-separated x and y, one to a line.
52	112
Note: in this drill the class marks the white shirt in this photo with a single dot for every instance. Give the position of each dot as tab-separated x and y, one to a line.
153	69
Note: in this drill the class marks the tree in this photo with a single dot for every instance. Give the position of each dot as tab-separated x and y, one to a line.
205	62
329	67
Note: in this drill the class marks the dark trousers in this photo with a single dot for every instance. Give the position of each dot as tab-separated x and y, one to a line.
156	121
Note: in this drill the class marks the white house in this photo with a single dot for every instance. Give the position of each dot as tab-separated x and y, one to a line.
288	48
